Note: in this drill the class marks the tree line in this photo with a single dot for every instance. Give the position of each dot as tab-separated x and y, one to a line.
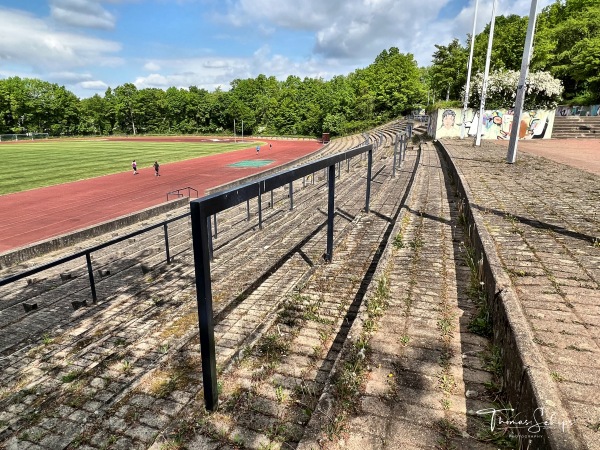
566	46
387	88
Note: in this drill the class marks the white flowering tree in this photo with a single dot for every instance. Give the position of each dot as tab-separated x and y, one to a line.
543	91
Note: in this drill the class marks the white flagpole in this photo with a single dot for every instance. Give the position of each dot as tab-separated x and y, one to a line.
469	67
486	74
511	156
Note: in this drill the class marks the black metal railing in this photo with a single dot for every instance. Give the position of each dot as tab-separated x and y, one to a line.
178	192
201	211
88	252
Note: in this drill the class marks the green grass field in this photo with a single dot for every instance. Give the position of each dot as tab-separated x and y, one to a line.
38	164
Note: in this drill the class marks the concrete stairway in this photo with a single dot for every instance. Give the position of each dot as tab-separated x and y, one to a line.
576	127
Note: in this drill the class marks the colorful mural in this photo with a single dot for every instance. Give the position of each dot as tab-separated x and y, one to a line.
496	124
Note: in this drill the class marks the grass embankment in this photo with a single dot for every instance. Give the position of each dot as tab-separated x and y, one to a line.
38	164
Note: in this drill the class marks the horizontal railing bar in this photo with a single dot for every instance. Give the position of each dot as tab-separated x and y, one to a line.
79	254
220	201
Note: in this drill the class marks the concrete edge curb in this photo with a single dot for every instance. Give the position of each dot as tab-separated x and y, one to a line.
322	413
22	254
526	375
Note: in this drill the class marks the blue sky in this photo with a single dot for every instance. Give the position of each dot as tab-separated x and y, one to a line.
90	45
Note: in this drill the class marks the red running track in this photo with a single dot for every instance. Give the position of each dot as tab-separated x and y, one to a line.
583	154
39	214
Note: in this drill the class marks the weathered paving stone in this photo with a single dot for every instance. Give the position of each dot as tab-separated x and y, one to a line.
555	221
361	243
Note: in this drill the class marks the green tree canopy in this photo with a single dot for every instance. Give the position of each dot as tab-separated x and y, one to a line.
569	39
448	72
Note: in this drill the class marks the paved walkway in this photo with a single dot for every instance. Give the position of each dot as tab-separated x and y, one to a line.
544	224
426	373
583	154
544	220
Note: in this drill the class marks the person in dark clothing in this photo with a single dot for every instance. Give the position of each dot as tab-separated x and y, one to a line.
156	167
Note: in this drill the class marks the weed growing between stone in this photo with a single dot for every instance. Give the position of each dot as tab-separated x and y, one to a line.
349	380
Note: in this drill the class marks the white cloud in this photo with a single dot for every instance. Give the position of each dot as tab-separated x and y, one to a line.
295	15
360	29
69	77
95	85
348	29
152	66
29	41
212	72
82	13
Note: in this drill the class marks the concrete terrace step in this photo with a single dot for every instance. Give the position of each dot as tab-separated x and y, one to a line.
582	127
422	373
124	336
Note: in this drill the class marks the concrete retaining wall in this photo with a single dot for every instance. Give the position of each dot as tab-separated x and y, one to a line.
525	373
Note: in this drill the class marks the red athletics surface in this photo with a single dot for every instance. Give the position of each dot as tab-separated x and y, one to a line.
39	214
583	154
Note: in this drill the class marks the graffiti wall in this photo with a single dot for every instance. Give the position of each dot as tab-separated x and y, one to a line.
495	124
563	111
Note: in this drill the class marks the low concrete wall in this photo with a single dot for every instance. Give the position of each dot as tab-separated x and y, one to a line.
19	255
525	373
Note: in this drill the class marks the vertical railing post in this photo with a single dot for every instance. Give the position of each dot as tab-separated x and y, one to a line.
291	193
260	207
200	233
210	241
330	213
348	165
369	164
88	259
272	201
248	210
395	151
215	224
167	242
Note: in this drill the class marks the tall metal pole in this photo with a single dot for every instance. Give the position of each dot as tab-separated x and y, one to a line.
486	74
234	137
511	156
242	131
469	67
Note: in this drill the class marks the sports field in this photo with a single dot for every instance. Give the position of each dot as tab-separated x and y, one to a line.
31	215
28	165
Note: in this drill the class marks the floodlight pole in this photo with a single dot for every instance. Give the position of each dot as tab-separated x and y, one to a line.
486	74
234	137
511	156
469	67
